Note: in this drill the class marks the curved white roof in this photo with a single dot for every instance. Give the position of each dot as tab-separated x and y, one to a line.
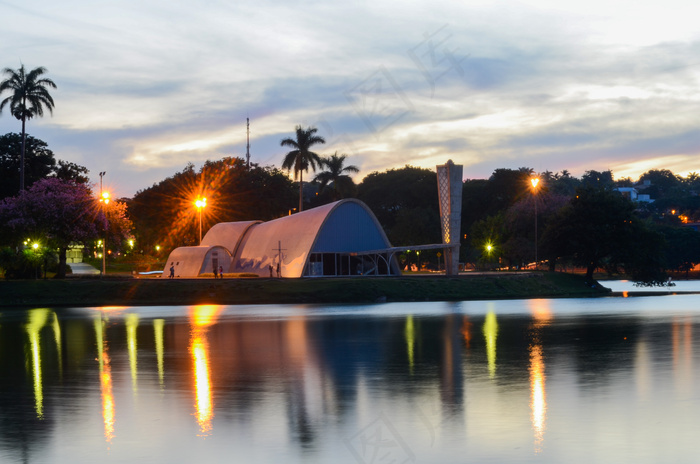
227	234
295	234
344	226
193	261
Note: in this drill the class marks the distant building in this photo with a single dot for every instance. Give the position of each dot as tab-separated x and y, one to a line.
633	194
74	254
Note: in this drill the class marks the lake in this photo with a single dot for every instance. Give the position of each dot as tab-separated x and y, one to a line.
548	380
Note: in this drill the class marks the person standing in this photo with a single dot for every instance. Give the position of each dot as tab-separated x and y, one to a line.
216	271
221	272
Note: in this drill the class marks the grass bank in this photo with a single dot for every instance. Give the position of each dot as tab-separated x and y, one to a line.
139	292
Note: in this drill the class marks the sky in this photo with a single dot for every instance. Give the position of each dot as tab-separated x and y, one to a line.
145	87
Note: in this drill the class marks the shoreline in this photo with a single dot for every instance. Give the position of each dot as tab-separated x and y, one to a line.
127	291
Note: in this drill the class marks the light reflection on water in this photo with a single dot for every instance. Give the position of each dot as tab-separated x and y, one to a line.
583	380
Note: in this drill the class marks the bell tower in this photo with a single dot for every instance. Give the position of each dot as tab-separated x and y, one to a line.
449	179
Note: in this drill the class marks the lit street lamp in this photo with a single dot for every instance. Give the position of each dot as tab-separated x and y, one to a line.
489	250
104	200
200	204
535	181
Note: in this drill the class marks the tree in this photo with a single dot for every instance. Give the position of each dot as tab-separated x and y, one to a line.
39	162
563	183
661	181
598	180
164	214
117	227
301	157
682	248
598	228
53	212
335	175
487	239
29	96
405	202
519	224
65	170
507	186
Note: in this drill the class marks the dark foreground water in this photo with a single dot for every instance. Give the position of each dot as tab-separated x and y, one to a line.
562	381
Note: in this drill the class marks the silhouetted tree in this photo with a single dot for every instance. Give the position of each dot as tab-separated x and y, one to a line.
39	162
598	228
29	96
405	202
335	175
301	157
598	180
65	170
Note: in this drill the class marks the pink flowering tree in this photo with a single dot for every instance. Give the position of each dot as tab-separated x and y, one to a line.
54	212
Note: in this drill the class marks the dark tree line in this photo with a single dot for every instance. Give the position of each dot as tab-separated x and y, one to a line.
584	222
565	221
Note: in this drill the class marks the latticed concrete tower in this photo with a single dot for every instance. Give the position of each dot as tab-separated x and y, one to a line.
449	177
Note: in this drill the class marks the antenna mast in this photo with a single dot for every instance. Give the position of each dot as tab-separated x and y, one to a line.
247	146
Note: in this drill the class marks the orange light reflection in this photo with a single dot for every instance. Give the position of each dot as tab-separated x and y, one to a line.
202	317
105	380
542	316
107	395
682	346
538	397
467	331
541	312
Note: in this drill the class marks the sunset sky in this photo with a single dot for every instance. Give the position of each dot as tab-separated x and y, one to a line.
144	87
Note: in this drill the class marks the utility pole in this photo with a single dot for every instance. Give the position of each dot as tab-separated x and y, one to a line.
247	145
104	246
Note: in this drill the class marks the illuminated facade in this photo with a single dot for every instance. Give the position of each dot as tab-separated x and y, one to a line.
338	239
449	177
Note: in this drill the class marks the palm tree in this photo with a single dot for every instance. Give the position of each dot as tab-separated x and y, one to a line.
29	96
302	157
335	174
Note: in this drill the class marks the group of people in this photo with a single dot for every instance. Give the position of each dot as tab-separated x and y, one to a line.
279	271
218	272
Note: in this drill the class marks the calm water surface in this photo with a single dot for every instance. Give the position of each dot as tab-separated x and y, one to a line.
582	380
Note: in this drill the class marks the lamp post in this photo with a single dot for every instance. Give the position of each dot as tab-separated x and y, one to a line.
489	249
200	204
104	200
535	181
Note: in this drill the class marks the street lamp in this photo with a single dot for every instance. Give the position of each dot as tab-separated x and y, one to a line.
534	181
104	200
200	204
489	250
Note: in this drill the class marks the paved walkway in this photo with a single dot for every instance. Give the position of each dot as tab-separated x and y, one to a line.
83	269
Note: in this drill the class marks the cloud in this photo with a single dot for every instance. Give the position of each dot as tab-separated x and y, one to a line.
145	87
